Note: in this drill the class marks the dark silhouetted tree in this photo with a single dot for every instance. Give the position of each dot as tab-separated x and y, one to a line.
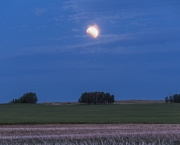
176	98
26	98
166	99
96	98
173	99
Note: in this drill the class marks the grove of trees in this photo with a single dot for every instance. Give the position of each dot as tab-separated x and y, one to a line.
96	98
173	99
26	98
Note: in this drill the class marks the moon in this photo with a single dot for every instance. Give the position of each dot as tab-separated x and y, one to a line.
93	31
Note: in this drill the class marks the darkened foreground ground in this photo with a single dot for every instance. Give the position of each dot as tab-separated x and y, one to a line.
91	134
90	114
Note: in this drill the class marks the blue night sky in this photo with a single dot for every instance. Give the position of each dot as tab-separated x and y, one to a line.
44	49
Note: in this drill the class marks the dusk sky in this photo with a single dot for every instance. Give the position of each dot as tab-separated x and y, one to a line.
44	48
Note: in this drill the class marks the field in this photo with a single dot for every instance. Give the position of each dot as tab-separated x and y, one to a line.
160	113
134	122
91	134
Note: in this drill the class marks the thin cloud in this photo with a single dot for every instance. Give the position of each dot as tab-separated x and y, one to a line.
164	40
75	30
39	11
57	19
87	10
130	13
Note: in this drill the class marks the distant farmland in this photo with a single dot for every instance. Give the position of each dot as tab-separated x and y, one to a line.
155	113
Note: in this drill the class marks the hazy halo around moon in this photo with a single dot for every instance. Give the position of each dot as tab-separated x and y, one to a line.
93	31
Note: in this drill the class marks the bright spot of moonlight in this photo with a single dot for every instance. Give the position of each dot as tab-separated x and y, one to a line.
93	31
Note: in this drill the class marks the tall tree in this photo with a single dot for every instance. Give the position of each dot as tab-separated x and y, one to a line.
26	98
166	99
96	98
171	99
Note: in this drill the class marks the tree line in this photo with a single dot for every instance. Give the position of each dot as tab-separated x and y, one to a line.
96	98
173	99
26	98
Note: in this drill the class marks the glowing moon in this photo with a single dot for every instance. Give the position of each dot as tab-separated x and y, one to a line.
92	31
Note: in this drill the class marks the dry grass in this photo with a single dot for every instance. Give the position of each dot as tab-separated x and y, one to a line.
116	102
139	102
90	134
60	103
